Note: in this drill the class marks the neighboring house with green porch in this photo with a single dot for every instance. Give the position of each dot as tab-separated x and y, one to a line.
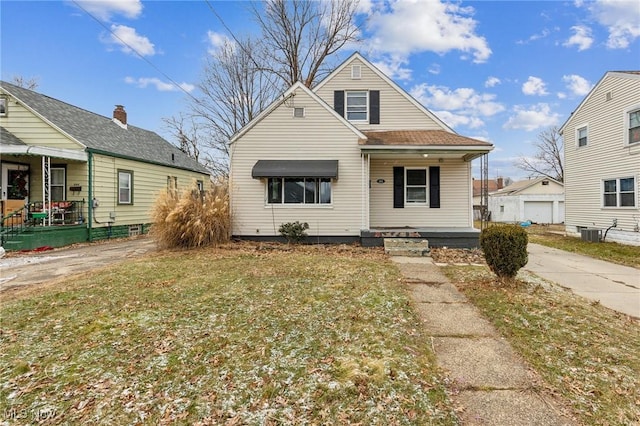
69	175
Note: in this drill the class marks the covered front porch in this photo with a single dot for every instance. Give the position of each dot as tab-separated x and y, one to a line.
43	195
418	185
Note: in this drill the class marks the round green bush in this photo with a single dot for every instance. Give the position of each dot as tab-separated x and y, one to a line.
505	249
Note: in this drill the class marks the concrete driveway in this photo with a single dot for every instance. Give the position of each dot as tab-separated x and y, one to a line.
614	286
22	269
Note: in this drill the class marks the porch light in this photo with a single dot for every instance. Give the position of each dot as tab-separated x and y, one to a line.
425	155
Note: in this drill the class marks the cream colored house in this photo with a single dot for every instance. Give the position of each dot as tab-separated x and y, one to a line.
358	159
69	175
602	159
538	200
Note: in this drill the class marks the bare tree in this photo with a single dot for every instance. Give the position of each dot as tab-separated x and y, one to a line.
549	157
300	35
233	91
26	83
243	76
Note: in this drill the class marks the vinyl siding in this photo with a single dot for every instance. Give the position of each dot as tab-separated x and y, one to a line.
33	130
280	136
396	111
604	157
148	181
455	200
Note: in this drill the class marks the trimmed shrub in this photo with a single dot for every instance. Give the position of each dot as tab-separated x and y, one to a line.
505	249
193	218
294	232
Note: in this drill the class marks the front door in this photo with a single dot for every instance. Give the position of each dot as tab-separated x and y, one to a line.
15	182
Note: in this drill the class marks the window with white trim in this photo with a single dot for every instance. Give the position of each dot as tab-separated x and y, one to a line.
415	186
633	126
125	187
619	192
357	105
58	179
581	136
299	191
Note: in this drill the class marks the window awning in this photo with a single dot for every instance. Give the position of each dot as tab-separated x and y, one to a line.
295	168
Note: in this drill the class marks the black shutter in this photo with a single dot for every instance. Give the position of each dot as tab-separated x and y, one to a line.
434	187
398	187
338	101
374	107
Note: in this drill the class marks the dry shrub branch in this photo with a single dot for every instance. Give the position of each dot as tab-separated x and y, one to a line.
192	218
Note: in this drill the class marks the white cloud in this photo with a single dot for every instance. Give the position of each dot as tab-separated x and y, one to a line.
105	9
492	82
534	86
216	41
403	28
579	86
434	69
535	117
621	18
544	33
455	120
581	38
561	95
130	41
160	85
462	106
394	67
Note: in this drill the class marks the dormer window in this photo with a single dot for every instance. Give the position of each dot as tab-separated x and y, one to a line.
357	106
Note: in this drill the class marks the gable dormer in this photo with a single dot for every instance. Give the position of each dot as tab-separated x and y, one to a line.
370	100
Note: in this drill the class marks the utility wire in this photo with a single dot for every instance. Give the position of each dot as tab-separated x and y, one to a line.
103	25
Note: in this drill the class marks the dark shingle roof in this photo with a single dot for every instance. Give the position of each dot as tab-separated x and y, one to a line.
8	138
100	133
419	138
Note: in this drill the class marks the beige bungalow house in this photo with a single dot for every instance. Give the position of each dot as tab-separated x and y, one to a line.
602	160
69	175
359	160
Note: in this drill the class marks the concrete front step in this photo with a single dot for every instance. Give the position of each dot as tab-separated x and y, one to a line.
414	247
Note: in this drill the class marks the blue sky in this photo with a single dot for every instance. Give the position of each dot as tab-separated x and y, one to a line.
500	71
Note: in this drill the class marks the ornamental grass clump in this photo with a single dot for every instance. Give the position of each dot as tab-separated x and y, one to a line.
505	249
192	218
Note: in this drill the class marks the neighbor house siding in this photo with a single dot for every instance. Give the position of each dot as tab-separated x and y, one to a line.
396	111
604	157
148	181
280	136
455	199
33	130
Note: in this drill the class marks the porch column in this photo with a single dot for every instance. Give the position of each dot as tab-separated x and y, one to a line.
366	188
46	188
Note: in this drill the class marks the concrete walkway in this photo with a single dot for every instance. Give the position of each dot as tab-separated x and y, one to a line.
614	286
491	383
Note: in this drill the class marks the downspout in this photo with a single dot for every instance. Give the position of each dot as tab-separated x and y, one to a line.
89	205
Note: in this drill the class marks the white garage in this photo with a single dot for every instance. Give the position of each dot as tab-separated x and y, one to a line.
539	200
538	211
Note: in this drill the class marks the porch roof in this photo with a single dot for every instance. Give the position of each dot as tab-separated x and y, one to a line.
10	144
421	139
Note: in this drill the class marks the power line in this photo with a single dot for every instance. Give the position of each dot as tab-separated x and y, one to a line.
102	24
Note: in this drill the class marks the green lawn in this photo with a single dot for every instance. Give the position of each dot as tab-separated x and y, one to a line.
586	353
228	336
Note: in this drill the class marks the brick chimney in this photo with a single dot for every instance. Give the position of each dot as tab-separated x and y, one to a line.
500	183
120	114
